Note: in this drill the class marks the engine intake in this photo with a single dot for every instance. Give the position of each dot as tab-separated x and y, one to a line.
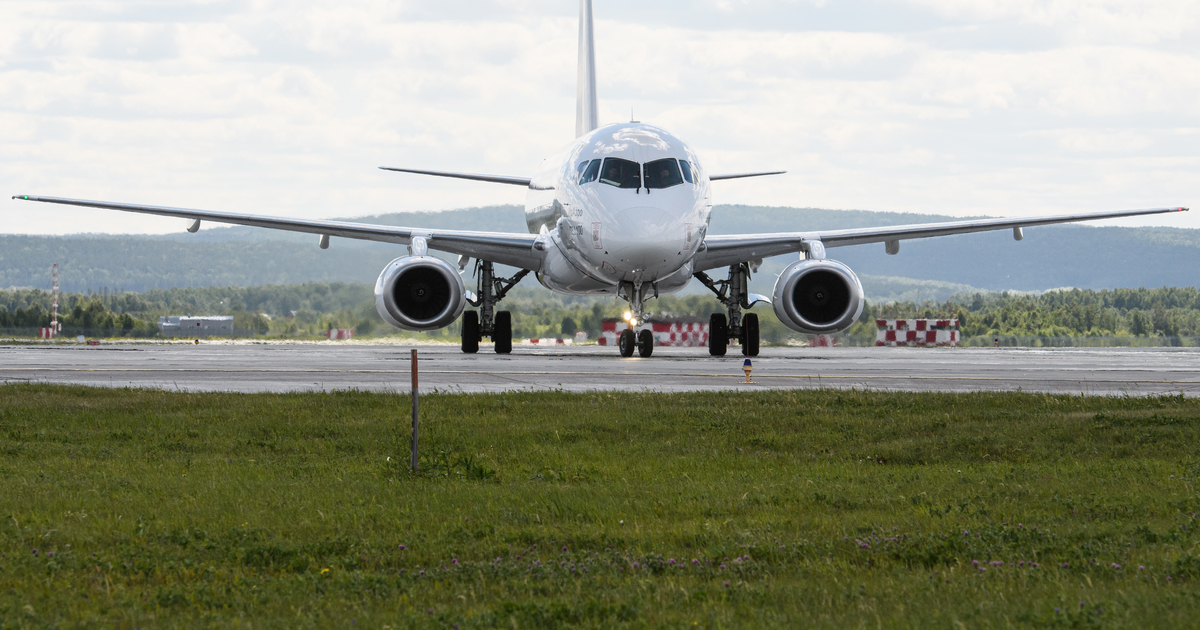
420	293
818	297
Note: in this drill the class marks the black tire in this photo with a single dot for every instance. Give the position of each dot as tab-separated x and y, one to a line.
750	335
718	335
502	332
626	343
645	344
470	332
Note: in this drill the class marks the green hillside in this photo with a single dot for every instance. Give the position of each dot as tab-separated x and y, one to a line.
1049	257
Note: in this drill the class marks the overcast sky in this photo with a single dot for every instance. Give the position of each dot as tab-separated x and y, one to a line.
997	107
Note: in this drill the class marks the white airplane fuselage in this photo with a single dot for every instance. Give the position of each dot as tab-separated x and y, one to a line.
625	205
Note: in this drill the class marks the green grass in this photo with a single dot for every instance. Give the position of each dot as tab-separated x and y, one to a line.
774	509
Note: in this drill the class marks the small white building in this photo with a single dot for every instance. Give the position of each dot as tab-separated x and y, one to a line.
195	326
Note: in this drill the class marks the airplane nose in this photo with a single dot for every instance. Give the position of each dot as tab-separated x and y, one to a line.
645	232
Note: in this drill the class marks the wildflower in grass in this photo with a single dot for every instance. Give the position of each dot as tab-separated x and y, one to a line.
1116	566
1066	565
454	561
564	549
727	585
324	571
50	554
1141	568
1034	564
402	547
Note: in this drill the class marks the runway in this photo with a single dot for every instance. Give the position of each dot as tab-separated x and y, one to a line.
332	366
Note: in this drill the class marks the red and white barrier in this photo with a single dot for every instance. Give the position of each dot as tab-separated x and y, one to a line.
549	341
45	333
340	333
683	334
916	332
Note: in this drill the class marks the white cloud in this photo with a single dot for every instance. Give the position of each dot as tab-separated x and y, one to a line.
287	107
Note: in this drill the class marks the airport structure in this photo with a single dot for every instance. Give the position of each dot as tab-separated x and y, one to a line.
198	326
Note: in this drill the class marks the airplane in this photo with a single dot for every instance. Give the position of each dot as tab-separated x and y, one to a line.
622	210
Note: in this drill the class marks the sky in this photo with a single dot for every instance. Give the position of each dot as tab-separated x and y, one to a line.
953	107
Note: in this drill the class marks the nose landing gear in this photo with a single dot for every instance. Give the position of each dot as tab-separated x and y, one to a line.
641	340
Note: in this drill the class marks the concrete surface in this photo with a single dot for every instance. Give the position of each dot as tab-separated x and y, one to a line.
329	366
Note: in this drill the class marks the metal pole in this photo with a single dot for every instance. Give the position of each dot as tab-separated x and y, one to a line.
415	411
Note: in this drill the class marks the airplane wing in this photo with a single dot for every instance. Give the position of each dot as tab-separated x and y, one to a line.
517	250
717	178
721	251
495	179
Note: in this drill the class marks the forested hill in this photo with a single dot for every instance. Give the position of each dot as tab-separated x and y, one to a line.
1049	257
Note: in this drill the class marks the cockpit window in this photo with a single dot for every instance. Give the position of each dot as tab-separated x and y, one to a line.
621	173
687	171
589	171
663	173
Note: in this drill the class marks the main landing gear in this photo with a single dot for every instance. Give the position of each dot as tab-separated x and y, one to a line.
488	322
733	293
641	340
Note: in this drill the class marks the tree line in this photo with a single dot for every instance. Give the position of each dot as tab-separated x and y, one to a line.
310	309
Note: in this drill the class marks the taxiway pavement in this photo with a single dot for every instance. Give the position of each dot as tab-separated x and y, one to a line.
279	367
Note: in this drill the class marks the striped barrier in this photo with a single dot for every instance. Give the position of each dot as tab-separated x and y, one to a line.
916	332
678	333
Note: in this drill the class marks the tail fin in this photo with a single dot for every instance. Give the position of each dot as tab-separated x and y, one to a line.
586	105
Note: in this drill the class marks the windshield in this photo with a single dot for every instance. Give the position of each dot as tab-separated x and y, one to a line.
663	173
621	173
687	171
588	171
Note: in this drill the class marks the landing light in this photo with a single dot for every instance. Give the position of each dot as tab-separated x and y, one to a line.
627	316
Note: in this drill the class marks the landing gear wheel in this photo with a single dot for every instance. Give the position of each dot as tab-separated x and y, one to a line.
718	335
645	344
470	332
750	335
502	332
626	343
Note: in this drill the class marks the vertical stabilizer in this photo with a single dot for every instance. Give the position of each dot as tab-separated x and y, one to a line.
586	107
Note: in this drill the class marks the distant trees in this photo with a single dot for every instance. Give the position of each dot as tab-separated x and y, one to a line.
308	310
1165	312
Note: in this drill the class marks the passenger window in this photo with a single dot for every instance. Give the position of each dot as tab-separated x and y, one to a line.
663	173
621	173
687	171
589	171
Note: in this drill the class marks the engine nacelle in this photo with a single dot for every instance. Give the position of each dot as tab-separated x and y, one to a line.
818	297
420	293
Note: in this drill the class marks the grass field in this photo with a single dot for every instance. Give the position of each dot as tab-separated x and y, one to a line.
775	509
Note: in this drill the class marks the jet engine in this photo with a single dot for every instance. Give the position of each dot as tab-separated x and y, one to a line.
818	297
420	293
